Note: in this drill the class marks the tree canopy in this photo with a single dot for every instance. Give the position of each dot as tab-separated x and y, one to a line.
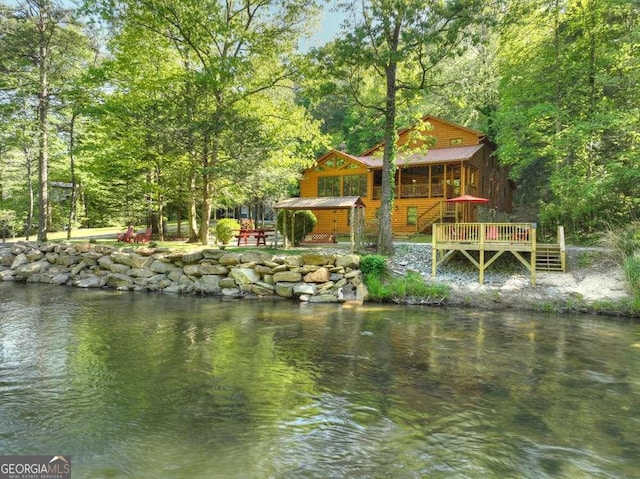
132	112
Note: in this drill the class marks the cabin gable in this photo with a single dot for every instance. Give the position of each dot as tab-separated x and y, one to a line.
438	134
335	174
457	161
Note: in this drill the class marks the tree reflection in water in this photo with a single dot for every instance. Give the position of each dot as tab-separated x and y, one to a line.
143	385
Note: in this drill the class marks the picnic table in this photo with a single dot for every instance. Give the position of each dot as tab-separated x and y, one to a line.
260	234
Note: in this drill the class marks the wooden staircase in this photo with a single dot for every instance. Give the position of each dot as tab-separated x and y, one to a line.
441	211
549	257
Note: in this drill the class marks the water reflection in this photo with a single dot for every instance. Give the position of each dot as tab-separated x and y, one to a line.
144	385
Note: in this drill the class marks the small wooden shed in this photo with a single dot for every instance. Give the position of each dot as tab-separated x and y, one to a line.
353	204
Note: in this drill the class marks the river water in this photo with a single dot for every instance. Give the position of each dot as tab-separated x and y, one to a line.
142	385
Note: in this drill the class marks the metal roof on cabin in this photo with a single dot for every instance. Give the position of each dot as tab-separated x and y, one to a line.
434	155
321	203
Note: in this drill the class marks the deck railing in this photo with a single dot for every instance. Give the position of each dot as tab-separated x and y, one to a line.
512	233
418	191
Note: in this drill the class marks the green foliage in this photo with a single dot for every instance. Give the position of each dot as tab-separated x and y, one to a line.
625	242
400	289
299	223
225	229
373	265
565	124
632	271
9	225
385	57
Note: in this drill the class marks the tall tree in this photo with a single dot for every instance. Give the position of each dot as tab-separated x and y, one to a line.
230	52
38	45
401	43
568	119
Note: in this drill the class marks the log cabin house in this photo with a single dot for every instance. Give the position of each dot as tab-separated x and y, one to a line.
458	161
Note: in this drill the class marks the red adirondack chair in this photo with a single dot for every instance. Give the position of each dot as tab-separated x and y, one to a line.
126	237
143	237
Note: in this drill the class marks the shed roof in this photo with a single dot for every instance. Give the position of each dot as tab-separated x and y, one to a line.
321	203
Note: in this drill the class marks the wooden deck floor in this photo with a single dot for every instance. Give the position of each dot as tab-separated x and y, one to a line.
491	240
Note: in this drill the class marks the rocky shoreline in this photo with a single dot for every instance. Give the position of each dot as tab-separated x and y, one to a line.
311	277
593	283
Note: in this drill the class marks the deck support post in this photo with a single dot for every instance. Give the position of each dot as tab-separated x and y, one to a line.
434	249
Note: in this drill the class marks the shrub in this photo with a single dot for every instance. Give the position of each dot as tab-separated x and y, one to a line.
225	229
625	243
373	265
632	271
302	222
401	288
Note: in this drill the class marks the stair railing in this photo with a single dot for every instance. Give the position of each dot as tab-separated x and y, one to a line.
430	216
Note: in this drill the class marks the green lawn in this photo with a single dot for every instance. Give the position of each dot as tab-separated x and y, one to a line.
107	236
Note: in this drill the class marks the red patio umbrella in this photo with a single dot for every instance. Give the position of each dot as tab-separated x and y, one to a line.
467	199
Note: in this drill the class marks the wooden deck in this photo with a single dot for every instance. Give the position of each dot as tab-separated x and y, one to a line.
491	240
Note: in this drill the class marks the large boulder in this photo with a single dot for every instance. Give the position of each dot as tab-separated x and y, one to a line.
287	277
192	257
245	275
119	281
309	289
208	284
161	267
262	289
19	260
348	261
229	259
321	275
90	282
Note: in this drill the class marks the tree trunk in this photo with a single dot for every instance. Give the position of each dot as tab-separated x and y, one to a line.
161	218
43	112
193	211
72	204
29	222
205	221
385	234
179	222
205	211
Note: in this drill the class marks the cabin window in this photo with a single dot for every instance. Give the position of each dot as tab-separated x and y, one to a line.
329	186
354	185
455	141
412	215
473	177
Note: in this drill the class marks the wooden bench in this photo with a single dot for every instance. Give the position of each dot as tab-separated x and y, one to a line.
319	238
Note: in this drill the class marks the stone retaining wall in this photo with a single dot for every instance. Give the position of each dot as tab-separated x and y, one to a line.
313	277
